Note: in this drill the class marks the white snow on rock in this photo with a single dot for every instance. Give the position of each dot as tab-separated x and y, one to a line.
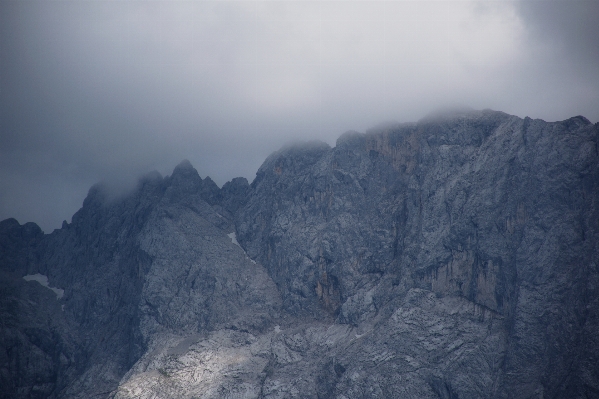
233	238
43	280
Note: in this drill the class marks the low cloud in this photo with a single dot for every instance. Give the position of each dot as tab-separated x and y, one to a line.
105	90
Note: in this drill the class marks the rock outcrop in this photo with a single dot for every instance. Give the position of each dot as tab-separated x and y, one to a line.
456	257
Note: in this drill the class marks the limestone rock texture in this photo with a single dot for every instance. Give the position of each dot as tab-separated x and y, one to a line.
455	257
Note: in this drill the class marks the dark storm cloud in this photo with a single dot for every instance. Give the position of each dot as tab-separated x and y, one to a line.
563	48
105	90
569	27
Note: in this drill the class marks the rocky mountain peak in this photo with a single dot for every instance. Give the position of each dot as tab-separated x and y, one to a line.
350	138
453	257
185	165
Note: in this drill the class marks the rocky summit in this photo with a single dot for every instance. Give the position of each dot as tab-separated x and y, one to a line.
456	257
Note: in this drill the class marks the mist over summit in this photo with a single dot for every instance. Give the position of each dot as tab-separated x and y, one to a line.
453	257
109	90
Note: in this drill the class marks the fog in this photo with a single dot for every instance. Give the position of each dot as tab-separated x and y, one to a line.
108	91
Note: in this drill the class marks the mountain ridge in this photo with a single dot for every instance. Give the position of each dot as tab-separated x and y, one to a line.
452	257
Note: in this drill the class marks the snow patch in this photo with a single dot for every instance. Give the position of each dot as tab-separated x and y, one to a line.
233	238
277	329
43	280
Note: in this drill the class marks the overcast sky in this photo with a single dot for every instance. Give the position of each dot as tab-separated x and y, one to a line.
110	90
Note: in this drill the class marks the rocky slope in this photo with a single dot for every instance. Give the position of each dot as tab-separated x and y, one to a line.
457	257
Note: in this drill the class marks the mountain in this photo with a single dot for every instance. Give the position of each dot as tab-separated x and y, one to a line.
456	257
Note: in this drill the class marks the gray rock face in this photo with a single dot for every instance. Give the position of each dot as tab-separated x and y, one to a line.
491	208
457	257
135	271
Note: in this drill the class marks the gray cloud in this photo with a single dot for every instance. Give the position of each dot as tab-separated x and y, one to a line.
567	27
104	90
